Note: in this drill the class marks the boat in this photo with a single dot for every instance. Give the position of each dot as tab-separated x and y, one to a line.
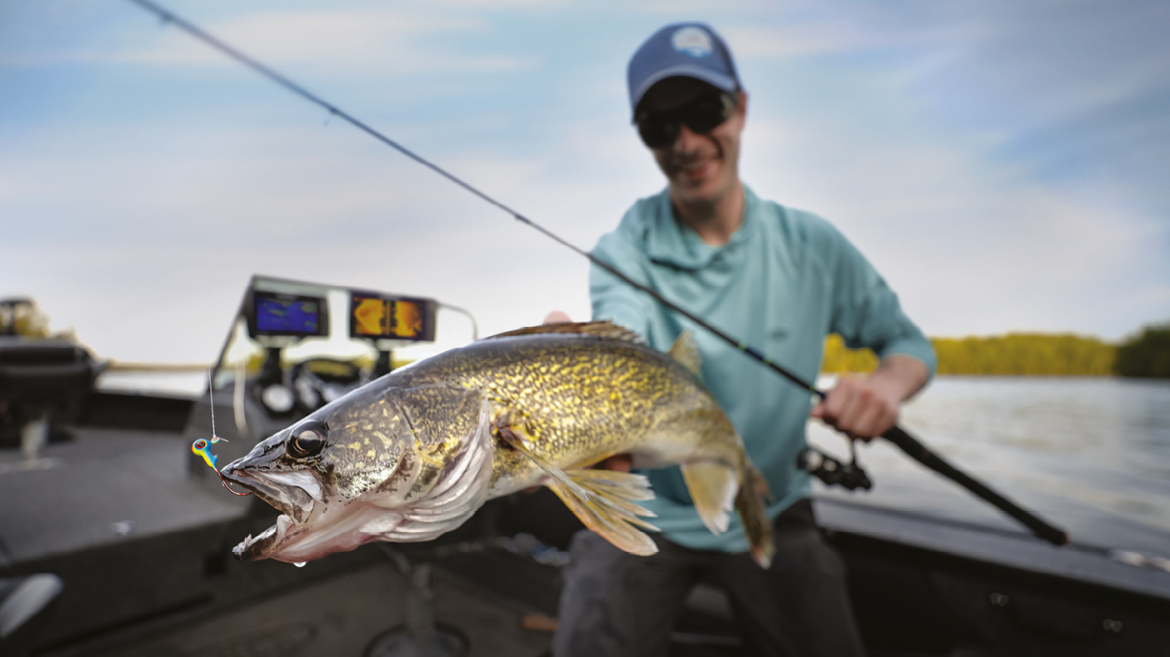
117	541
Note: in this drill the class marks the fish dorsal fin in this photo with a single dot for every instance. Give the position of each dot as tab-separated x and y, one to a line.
686	352
604	329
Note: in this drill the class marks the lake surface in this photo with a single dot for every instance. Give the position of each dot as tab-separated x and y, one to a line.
1090	455
184	383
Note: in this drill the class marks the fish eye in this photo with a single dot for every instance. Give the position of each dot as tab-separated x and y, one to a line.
307	440
200	444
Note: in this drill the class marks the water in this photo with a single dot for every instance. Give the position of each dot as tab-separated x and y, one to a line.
182	383
1090	455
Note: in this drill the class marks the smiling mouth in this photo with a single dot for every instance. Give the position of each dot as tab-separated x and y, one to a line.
692	168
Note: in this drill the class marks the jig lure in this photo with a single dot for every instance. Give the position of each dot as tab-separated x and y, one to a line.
202	447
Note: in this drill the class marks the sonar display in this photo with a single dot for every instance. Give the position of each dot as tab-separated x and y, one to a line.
381	318
275	316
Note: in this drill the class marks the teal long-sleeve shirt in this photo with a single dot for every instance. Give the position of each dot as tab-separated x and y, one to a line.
784	281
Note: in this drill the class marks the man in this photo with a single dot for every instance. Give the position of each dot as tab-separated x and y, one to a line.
779	279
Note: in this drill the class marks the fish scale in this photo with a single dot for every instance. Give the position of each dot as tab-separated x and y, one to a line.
601	393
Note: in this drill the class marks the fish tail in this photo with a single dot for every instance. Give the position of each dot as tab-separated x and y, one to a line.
749	502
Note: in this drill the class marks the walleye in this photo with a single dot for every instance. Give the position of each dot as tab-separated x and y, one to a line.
415	453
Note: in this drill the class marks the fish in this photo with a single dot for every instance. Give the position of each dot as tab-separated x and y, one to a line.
413	454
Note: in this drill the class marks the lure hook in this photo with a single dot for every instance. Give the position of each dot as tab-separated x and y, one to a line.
202	447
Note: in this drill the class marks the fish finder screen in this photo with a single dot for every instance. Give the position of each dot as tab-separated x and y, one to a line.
383	318
281	314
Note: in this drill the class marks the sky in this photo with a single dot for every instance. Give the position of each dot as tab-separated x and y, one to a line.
1002	164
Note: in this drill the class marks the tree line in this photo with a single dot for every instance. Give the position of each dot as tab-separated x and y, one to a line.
1145	354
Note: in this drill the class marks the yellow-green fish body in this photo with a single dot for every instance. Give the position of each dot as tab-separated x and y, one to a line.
413	454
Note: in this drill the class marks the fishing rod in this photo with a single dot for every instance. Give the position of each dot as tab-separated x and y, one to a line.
896	435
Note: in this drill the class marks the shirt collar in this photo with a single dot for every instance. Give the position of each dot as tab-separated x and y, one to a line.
672	242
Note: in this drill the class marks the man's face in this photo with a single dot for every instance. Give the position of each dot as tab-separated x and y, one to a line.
701	168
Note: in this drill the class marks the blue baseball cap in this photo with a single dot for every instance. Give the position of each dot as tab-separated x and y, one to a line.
690	50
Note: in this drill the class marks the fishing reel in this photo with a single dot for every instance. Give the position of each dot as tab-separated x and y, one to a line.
832	471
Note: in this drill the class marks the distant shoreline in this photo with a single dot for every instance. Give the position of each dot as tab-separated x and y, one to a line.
1015	354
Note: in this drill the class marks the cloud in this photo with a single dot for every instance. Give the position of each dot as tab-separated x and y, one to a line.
400	42
785	41
172	246
970	247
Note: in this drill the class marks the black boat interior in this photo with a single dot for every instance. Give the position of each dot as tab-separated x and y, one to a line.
117	540
43	381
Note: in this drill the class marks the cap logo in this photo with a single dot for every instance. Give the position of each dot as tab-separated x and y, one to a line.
691	41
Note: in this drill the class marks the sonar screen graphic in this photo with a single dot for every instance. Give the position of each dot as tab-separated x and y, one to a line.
393	319
287	316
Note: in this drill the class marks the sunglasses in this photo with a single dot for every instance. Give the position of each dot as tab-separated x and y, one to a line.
701	115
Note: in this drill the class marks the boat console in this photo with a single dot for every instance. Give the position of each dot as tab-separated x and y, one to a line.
295	346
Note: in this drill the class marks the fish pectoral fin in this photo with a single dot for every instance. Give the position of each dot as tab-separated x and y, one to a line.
712	485
511	436
601	499
609	510
626	485
617	489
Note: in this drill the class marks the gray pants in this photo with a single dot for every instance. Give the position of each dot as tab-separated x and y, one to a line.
615	603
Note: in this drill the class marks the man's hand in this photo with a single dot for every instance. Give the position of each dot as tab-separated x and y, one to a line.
617	463
864	408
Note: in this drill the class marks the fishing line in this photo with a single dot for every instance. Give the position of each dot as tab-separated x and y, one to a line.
211	396
895	434
202	447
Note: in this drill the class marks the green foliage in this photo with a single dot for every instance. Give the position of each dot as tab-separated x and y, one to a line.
839	358
1147	354
1026	354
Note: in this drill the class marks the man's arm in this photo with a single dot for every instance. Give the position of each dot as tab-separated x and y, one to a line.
866	407
866	313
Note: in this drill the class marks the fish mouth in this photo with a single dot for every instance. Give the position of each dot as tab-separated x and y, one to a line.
294	494
305	530
268	542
